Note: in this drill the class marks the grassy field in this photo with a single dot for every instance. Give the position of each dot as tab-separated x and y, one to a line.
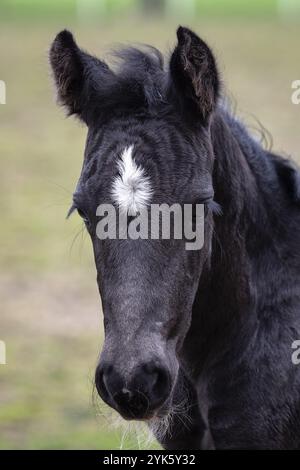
37	8
50	312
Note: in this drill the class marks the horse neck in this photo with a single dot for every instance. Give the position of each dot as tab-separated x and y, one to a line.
237	191
224	311
252	200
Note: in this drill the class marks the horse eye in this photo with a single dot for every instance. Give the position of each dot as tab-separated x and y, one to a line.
205	209
207	205
83	216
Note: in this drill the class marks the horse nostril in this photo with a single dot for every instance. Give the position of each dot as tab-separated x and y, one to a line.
162	382
102	372
158	382
144	391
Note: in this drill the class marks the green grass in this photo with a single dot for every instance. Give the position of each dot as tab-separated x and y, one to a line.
48	403
50	313
70	8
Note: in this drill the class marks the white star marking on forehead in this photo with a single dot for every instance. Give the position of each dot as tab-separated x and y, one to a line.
131	189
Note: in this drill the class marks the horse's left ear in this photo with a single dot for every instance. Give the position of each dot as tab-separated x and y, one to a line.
194	75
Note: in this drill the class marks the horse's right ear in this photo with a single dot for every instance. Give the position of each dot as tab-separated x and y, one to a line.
77	75
194	75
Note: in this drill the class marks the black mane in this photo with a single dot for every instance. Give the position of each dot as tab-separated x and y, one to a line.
138	81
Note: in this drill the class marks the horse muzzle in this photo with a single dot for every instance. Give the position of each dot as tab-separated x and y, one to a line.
137	395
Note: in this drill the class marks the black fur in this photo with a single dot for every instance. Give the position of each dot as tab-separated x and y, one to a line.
228	313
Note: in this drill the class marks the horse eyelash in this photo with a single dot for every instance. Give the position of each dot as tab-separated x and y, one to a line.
214	207
72	209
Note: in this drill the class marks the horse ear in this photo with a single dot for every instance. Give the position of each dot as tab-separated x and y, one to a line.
194	74
77	75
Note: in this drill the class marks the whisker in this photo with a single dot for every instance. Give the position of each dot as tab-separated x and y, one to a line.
75	238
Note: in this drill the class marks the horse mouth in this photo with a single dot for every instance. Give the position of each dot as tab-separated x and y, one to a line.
148	416
134	417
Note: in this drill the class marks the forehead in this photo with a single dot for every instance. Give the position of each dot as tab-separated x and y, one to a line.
160	153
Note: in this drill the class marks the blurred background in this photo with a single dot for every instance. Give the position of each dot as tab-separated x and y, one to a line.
50	311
